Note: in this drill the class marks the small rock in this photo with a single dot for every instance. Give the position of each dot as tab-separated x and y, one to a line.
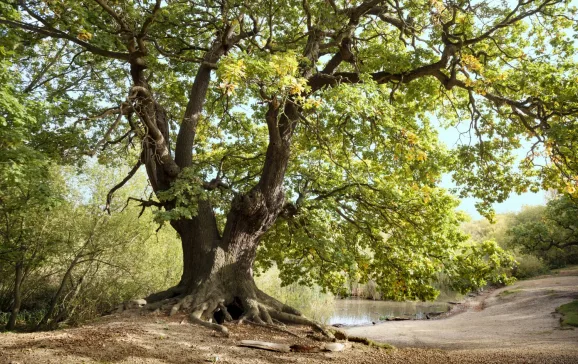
135	304
334	347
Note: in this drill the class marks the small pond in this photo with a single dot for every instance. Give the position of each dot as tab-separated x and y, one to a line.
355	312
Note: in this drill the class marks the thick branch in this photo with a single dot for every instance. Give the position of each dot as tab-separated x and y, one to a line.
321	80
55	33
198	94
146	108
104	5
150	19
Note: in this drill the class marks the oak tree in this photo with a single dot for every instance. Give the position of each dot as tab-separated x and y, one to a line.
305	132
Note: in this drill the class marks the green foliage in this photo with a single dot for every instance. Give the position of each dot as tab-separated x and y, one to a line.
111	258
570	314
483	229
362	192
185	193
528	266
549	233
479	265
368	290
331	259
249	75
25	318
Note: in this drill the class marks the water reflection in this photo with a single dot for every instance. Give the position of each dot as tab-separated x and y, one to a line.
352	312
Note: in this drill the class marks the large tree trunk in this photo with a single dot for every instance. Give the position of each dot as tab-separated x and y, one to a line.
217	268
217	275
217	281
218	286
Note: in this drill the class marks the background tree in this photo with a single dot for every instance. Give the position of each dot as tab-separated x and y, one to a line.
551	233
316	139
78	261
28	190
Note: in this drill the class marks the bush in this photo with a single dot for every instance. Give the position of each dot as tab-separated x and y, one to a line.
528	266
91	261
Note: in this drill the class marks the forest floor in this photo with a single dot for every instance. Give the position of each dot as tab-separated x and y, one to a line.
515	324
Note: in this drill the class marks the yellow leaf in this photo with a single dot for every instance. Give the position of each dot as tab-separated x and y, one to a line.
421	156
84	36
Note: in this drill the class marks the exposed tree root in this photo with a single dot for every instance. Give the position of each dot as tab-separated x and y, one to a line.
369	342
167	294
225	311
251	306
196	318
275	327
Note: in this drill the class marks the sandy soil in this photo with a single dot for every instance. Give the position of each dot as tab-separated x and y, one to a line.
519	319
512	328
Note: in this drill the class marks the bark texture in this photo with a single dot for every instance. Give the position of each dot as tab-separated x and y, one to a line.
217	265
217	268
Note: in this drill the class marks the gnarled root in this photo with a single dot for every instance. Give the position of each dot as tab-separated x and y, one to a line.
250	305
196	317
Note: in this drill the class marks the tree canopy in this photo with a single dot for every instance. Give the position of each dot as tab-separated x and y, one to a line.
310	129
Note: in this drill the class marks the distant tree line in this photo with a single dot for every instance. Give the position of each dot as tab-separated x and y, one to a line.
542	237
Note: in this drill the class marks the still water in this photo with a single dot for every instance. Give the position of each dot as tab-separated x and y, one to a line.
353	312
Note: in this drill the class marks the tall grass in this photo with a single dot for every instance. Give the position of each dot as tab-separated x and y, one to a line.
311	301
368	290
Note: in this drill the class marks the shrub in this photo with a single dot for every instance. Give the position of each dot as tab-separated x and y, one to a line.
528	266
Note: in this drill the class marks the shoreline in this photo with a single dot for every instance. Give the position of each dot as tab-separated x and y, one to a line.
515	318
454	308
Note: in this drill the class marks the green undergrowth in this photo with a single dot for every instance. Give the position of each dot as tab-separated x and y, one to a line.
25	320
571	270
569	313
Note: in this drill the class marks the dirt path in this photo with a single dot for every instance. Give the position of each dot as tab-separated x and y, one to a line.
518	319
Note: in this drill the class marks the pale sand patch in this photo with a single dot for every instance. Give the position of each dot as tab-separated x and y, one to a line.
520	318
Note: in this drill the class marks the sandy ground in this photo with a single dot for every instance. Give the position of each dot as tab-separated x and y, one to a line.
512	328
519	319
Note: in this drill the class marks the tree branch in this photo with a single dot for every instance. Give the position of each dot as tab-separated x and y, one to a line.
320	80
130	174
55	33
104	5
198	94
